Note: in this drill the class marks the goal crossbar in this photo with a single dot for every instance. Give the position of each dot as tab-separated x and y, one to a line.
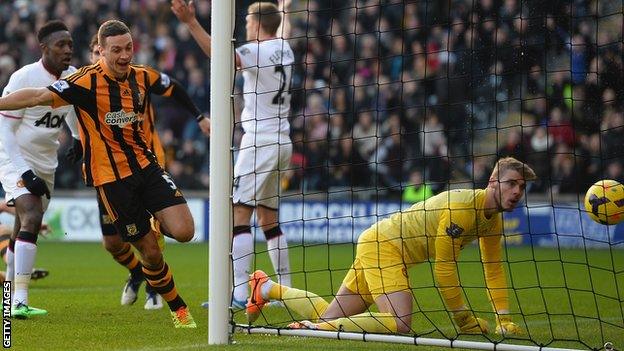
397	339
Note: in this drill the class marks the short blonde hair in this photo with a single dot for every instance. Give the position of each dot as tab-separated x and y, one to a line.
267	14
509	163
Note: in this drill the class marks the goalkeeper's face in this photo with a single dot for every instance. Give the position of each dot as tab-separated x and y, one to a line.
117	52
508	190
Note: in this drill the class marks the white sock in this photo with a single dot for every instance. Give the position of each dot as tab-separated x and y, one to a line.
278	251
266	288
242	256
25	253
10	264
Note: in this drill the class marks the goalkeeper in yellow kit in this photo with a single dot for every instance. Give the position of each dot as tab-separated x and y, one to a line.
435	230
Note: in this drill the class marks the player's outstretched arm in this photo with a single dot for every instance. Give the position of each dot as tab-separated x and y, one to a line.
448	284
186	14
26	97
496	283
448	246
284	28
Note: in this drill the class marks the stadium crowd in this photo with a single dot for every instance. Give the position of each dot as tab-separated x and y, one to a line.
388	92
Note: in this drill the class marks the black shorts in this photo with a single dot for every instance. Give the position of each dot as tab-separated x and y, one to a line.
132	201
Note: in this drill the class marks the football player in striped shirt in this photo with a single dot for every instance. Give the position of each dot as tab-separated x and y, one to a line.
110	97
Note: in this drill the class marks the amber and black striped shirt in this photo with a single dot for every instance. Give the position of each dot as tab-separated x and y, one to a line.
111	112
151	134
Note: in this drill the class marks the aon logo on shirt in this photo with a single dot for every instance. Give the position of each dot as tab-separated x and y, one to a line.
50	121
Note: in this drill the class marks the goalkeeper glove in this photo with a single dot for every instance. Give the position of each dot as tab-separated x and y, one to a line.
35	185
74	153
469	324
504	326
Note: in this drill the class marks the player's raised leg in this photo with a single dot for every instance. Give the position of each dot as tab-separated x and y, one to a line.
176	222
165	201
130	202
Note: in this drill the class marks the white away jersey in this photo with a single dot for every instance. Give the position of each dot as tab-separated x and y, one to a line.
267	71
39	126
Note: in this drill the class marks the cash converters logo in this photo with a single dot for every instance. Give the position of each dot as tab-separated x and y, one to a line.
121	118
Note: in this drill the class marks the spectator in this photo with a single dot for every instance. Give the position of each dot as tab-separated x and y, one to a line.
539	155
365	135
388	159
490	60
564	175
416	190
613	137
615	171
560	128
513	145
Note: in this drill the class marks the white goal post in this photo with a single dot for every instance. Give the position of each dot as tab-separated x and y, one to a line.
221	77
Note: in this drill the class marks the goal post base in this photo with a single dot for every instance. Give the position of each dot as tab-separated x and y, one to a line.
397	339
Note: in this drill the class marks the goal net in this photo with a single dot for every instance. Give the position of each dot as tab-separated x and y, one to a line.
380	104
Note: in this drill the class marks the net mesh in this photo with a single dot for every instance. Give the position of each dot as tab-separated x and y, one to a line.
394	101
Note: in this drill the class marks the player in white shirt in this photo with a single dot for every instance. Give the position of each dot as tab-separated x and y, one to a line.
266	63
28	157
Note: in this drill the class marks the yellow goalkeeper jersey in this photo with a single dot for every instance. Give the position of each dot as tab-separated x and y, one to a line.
438	228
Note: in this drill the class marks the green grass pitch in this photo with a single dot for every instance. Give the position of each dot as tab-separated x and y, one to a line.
83	290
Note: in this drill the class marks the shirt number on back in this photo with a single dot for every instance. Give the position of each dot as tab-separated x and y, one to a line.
278	99
50	121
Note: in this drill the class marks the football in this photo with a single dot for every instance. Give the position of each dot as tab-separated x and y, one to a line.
604	202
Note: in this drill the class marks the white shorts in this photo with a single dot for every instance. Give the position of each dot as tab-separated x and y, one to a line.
257	170
13	187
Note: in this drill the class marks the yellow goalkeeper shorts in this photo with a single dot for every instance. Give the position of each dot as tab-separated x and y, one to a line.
378	268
